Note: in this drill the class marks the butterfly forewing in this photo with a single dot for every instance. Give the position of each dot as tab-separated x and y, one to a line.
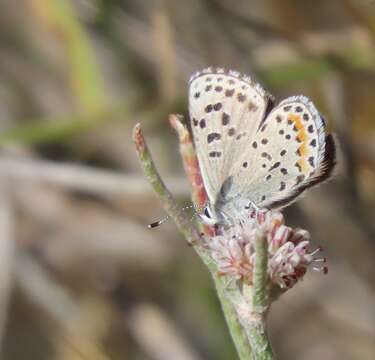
225	111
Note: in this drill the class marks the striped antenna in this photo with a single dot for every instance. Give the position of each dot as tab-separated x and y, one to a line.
158	223
163	220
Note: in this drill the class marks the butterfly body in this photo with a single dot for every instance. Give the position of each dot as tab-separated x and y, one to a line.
253	154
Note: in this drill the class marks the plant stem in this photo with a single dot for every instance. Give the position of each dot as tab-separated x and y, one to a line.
185	226
180	218
256	324
237	332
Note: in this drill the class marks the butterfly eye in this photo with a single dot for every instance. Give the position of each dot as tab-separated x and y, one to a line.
207	213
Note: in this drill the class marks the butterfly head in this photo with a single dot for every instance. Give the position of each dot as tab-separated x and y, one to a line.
208	216
212	215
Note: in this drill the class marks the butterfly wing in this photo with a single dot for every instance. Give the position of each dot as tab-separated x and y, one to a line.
225	111
290	151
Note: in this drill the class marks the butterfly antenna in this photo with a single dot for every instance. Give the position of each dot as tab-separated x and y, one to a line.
158	223
163	220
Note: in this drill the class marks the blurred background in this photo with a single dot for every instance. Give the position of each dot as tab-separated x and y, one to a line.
81	277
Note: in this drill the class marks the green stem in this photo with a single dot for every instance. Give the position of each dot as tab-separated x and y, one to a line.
236	330
260	296
192	235
180	218
256	324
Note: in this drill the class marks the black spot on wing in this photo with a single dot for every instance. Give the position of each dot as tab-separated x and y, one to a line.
284	171
274	166
327	165
229	92
266	156
213	136
241	97
225	119
218	106
214	154
321	174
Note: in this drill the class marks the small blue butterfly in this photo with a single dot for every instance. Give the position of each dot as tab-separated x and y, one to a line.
252	154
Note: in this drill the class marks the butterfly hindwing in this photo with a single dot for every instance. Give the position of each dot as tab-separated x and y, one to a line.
292	152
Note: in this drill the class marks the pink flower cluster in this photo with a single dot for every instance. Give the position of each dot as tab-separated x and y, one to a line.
288	255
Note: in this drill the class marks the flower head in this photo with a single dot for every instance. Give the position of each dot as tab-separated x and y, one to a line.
288	250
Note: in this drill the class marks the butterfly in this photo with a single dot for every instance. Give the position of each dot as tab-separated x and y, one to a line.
252	153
